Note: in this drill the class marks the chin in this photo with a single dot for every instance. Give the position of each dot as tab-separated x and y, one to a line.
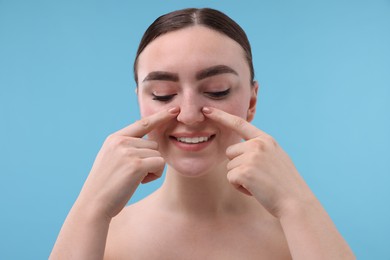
193	168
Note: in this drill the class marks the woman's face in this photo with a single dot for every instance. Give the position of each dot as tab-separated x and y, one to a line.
192	68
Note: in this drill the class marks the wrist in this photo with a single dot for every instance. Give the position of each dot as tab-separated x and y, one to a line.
298	207
89	212
310	231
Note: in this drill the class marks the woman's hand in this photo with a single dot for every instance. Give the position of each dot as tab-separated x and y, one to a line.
124	161
259	166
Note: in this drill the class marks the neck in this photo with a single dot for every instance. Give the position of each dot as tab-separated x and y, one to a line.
208	195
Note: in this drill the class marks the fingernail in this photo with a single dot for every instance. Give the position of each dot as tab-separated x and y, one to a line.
173	110
206	110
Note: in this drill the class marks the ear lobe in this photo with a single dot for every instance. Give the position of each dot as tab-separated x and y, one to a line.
250	116
252	102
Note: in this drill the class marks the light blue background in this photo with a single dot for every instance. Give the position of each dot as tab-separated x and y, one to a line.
66	83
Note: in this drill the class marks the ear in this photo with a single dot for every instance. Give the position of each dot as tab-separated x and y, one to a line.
252	102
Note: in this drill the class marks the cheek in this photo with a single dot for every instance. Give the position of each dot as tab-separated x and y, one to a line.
147	111
237	107
157	134
146	107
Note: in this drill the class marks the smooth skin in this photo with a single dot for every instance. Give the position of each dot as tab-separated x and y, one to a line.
261	168
124	161
202	210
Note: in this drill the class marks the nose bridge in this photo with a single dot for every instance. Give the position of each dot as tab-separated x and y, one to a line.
190	108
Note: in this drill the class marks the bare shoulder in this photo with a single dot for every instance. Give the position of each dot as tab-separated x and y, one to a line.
126	230
143	231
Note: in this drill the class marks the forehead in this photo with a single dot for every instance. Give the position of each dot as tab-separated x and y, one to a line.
190	49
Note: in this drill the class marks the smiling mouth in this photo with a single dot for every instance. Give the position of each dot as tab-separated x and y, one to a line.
193	140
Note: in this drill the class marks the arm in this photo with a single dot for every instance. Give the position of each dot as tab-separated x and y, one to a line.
311	233
124	161
259	167
83	235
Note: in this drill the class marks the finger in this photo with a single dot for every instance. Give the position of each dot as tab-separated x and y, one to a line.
238	124
235	150
254	144
236	162
145	153
147	124
154	168
233	177
153	164
142	143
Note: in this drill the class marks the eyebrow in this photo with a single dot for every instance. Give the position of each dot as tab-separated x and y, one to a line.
202	74
162	75
213	71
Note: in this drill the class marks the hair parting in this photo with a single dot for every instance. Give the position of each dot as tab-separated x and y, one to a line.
210	18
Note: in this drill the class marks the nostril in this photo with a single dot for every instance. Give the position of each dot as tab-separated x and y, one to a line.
190	116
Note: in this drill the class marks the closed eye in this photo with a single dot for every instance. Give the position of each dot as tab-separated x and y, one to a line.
164	98
218	94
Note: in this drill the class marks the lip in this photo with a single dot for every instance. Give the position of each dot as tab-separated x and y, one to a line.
195	134
194	147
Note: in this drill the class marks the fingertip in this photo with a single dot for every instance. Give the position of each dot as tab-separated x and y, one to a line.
228	153
207	110
174	110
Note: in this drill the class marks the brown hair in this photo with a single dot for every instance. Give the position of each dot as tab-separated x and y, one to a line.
210	18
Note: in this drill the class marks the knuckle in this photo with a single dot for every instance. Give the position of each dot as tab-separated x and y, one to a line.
242	174
270	140
263	143
258	144
110	138
246	174
253	158
160	159
161	162
116	140
129	152
144	122
110	142
136	164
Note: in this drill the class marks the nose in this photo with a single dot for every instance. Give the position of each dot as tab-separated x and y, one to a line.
191	112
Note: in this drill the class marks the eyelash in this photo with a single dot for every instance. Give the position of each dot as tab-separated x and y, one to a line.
165	98
218	94
214	95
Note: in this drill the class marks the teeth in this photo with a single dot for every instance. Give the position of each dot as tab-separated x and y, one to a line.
192	140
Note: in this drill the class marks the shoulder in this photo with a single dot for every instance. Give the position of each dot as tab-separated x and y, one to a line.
132	217
144	226
132	227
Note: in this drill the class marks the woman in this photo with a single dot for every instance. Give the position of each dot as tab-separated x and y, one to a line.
230	191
